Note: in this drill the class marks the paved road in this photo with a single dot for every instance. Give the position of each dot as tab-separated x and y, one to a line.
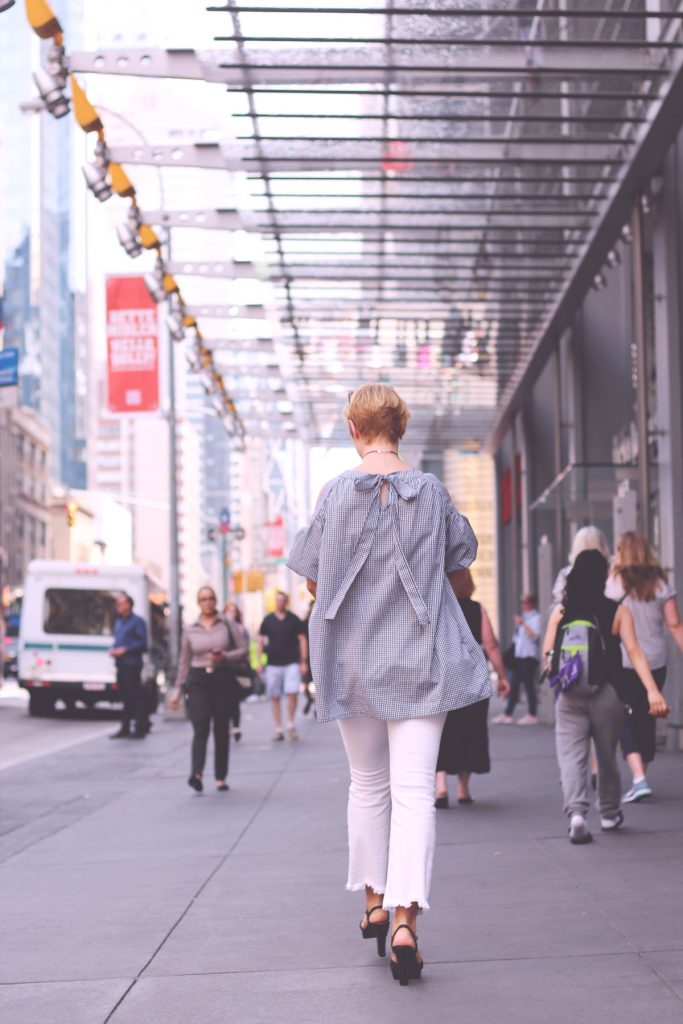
23	738
126	898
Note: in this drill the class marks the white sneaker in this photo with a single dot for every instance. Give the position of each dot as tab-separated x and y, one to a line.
502	720
610	824
528	720
578	832
292	734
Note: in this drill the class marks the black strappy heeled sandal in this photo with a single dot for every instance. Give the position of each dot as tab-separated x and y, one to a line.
376	930
406	966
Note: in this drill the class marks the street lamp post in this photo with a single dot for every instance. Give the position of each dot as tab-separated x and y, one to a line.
174	549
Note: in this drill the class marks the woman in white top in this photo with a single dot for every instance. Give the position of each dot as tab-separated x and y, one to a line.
638	579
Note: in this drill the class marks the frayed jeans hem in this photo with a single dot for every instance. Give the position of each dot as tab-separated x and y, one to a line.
359	886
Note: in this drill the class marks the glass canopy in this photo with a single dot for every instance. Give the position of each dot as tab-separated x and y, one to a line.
425	181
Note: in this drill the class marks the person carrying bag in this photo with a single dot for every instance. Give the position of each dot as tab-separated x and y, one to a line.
209	650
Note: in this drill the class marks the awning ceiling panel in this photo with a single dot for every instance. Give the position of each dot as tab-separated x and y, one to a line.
425	180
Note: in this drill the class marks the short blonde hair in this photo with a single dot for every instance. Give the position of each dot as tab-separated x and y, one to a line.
377	410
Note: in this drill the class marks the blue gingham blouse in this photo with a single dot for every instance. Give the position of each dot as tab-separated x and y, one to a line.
387	636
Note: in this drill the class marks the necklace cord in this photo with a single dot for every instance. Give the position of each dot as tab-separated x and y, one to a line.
379	451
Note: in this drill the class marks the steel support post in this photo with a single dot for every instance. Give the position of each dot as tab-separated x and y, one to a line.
224	567
514	525
522	448
557	450
174	553
668	416
641	396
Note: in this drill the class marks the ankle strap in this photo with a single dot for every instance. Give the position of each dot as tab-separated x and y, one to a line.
372	910
396	930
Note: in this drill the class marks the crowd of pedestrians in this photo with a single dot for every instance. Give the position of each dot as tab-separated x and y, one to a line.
401	658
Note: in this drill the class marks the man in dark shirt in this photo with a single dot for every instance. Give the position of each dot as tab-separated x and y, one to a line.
130	643
287	650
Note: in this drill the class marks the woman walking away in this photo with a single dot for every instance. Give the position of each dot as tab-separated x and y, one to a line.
465	739
208	648
587	538
582	641
391	654
639	581
242	671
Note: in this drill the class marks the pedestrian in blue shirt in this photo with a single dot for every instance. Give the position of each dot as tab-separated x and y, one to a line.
130	643
527	638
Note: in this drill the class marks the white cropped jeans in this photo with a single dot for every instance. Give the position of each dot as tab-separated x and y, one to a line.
391	814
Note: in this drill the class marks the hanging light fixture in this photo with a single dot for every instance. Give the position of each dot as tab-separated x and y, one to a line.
174	325
128	240
155	283
51	93
56	63
95	173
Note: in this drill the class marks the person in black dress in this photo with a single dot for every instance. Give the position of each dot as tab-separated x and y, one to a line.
465	740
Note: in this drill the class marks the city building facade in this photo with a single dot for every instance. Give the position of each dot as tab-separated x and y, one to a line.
597	434
24	493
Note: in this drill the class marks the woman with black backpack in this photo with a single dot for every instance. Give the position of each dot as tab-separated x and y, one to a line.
582	644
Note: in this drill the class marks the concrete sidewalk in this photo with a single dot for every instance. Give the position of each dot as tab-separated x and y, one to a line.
127	898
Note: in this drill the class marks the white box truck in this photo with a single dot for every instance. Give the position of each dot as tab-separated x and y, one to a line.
67	628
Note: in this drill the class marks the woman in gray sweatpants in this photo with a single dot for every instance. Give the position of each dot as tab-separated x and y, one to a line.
580	717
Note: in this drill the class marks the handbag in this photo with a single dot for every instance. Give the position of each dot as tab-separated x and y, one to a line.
509	656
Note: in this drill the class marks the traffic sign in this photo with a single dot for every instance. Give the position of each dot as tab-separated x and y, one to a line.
224	520
9	367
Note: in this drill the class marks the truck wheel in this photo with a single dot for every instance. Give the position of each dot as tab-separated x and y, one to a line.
41	704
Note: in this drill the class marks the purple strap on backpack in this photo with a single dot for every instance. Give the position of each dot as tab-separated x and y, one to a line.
567	677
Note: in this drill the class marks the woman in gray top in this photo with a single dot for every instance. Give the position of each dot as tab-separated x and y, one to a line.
391	654
639	581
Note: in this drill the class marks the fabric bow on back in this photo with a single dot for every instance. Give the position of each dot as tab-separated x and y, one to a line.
398	488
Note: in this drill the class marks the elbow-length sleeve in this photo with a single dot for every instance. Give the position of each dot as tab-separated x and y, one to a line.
305	551
183	662
461	543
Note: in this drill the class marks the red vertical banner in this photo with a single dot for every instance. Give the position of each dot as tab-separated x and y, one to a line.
276	538
132	346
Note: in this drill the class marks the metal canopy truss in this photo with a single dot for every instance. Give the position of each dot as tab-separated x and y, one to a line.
431	189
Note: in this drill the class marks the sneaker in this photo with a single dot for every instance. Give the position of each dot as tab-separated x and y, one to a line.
528	720
610	824
292	734
278	735
502	720
638	791
578	832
